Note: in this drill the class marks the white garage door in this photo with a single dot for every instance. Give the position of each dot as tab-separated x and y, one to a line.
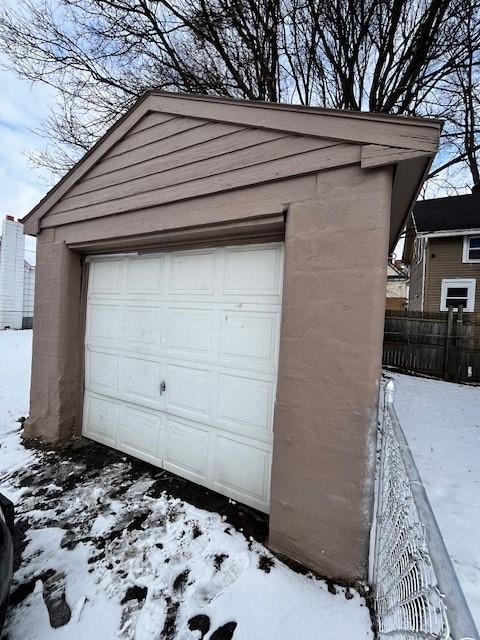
181	362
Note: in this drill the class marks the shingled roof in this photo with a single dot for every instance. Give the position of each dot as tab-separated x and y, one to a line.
448	214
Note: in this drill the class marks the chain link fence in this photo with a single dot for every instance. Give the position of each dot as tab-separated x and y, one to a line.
415	591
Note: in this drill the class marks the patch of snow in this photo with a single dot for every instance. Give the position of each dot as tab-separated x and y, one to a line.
15	357
138	564
96	616
441	421
102	524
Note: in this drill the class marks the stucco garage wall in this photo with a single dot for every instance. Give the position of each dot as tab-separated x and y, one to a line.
57	344
330	351
330	357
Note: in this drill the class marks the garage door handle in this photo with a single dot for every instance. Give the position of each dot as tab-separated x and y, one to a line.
163	386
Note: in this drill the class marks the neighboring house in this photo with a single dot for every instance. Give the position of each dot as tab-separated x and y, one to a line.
17	278
397	286
442	248
168	260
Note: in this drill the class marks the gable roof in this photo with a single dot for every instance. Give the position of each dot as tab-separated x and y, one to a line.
460	213
408	143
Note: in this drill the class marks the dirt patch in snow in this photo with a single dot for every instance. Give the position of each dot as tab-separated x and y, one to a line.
92	457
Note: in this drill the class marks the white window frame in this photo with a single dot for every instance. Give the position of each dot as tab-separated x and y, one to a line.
466	249
467	283
419	249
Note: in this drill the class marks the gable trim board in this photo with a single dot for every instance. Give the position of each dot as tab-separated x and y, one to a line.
185	175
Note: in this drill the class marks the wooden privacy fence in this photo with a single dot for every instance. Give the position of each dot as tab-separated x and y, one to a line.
443	344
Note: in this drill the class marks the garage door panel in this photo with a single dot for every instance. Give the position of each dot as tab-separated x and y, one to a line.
207	322
101	418
193	273
253	272
189	391
103	324
242	469
190	332
249	339
145	275
187	449
245	405
106	276
139	432
140	380
102	371
142	327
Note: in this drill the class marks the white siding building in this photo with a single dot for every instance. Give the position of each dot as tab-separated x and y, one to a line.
17	278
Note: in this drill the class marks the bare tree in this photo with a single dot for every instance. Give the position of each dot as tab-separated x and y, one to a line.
415	57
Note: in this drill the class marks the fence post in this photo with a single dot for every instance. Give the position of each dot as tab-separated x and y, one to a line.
458	343
388	400
448	341
389	392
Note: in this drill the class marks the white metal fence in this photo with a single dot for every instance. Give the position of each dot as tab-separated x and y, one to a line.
416	593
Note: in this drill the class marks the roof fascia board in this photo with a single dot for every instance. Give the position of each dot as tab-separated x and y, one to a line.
356	127
283	106
448	233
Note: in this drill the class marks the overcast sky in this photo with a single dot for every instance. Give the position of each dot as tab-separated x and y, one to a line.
22	108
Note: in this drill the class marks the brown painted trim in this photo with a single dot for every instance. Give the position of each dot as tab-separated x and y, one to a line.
82	332
283	106
347	126
375	155
268	228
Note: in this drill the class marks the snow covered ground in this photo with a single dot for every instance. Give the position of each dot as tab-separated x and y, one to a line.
441	421
108	550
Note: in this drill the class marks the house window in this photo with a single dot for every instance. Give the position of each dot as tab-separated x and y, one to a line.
471	249
458	292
